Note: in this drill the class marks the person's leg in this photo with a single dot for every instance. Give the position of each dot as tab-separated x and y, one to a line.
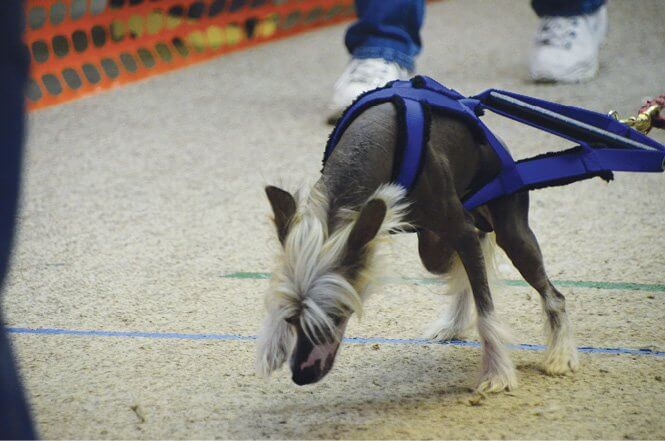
565	8
15	420
568	39
388	29
383	44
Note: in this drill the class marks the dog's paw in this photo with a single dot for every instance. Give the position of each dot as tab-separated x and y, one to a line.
447	329
561	361
437	333
497	382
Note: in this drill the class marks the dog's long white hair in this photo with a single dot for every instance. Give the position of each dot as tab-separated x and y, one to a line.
311	282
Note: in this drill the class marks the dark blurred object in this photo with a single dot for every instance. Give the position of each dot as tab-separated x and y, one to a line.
15	422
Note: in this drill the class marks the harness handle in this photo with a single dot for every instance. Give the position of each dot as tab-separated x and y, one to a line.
648	117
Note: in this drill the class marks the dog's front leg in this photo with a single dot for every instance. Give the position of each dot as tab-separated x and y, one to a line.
436	253
497	371
439	257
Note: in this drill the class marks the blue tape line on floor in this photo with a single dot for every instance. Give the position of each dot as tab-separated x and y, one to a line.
356	340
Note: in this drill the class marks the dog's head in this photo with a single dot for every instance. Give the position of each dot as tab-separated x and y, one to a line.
321	278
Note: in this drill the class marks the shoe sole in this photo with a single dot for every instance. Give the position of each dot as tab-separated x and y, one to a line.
579	75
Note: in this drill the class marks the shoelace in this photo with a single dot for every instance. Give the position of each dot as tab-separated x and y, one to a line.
558	31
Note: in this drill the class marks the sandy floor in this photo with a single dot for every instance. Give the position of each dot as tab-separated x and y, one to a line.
142	205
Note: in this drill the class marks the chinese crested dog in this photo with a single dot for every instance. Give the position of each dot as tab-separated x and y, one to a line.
329	238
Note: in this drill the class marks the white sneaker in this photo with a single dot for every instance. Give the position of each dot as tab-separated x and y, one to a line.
566	48
361	75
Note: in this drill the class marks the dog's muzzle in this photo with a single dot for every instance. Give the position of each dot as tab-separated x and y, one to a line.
311	362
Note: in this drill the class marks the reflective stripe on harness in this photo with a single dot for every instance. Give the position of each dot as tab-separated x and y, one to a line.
604	143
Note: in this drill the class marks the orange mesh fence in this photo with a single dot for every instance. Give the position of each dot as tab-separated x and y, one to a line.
78	47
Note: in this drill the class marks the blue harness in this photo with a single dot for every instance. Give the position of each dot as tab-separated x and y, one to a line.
604	144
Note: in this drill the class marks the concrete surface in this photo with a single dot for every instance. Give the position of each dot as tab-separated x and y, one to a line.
138	202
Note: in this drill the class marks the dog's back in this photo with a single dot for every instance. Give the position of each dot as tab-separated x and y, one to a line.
456	160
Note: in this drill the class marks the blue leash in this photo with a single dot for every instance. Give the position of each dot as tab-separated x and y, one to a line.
604	144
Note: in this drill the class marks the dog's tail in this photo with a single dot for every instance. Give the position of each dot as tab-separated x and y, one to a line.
459	312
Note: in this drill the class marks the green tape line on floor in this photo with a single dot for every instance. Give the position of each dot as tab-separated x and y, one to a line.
622	286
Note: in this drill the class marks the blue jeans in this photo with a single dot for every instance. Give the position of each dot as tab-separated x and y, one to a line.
14	417
390	29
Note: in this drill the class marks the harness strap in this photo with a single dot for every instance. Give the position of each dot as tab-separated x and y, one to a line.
412	100
573	123
624	149
604	143
441	98
416	125
568	166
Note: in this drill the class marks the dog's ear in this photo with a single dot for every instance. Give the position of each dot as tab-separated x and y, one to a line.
366	227
283	207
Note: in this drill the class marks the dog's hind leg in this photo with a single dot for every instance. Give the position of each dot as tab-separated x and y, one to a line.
440	258
510	217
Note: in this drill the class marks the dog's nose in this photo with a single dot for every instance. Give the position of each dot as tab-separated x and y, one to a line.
309	375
